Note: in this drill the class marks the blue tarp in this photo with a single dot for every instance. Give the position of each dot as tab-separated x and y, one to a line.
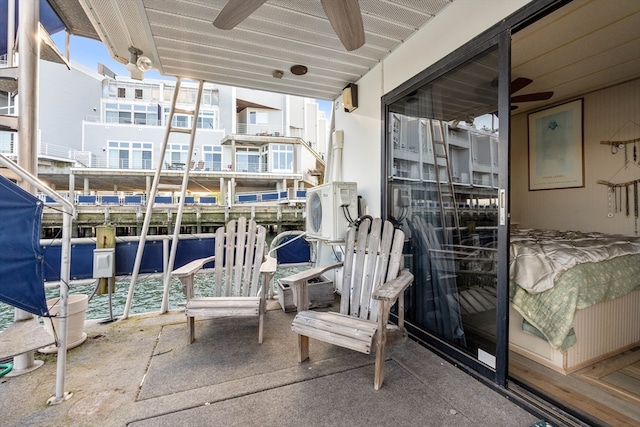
296	252
21	258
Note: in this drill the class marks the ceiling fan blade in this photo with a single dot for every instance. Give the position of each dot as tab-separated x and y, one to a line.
236	11
538	96
346	19
520	83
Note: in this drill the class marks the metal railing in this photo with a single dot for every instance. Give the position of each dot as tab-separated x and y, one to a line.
124	199
263	130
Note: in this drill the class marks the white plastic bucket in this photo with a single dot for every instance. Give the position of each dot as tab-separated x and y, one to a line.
76	312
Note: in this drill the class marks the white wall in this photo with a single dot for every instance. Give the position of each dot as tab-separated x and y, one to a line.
461	21
609	114
67	97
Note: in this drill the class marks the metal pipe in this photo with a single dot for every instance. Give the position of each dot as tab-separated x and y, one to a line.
11	30
28	83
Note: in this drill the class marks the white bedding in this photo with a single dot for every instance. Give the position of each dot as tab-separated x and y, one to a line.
539	257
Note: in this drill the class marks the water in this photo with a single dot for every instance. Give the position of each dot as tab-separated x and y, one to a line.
147	296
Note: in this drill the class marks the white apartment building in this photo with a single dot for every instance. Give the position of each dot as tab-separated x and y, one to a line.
100	133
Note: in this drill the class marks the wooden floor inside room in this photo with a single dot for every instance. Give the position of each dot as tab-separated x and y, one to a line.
608	390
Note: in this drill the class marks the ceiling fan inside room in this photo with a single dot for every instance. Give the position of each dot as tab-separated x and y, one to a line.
519	84
344	15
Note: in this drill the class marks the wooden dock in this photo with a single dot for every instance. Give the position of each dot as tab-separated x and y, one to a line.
196	218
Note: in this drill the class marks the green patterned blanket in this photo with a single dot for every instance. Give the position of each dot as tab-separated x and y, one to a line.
551	312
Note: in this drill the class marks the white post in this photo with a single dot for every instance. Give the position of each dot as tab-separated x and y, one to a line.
27	150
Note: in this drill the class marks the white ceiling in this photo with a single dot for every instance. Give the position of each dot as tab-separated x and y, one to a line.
582	47
181	40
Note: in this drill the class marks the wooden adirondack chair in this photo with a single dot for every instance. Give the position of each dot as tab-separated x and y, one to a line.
239	261
373	280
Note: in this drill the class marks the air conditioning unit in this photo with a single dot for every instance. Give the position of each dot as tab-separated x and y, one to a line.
328	208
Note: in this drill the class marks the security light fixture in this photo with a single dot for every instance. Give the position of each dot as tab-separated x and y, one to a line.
138	64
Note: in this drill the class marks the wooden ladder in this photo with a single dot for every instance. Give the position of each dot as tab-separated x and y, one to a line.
154	188
446	192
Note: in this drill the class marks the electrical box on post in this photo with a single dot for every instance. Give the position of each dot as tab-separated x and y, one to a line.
104	264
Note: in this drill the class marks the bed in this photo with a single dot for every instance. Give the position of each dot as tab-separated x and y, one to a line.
574	296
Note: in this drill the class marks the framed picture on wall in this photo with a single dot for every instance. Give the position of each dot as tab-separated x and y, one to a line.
556	157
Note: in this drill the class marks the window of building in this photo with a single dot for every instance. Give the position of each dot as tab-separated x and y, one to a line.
212	156
7	144
281	157
210	97
124	117
149	92
206	120
176	155
188	95
130	155
121	113
258	118
248	160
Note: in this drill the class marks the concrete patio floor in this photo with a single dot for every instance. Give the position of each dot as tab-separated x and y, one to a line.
141	372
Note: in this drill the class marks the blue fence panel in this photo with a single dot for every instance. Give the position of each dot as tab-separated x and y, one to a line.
298	251
284	194
82	257
87	200
301	194
126	256
132	200
188	200
110	200
212	200
244	198
81	262
163	199
269	196
191	249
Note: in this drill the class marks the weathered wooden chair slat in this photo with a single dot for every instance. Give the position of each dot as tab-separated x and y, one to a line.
239	263
372	283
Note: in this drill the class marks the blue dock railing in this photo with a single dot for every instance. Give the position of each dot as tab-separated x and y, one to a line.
281	196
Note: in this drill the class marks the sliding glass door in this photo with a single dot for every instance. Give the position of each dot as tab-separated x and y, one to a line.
446	188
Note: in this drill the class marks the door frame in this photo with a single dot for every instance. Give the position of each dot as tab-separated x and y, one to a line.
498	35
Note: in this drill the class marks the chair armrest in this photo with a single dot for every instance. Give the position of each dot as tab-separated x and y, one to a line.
269	266
267	271
298	283
392	289
304	276
192	267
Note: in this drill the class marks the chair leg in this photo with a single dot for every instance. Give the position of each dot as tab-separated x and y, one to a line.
303	348
260	326
191	327
381	342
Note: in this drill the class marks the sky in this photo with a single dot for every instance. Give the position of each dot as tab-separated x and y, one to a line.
89	53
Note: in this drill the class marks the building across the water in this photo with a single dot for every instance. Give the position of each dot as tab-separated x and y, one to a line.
101	138
101	135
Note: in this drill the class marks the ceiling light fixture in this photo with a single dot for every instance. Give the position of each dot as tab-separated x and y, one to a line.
299	70
278	74
138	64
